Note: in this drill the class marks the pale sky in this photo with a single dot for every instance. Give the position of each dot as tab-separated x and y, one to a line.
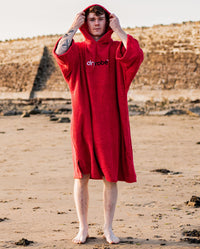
28	18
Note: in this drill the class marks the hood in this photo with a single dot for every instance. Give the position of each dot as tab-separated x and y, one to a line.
84	29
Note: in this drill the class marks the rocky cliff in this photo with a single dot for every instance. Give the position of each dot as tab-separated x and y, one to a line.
172	56
172	61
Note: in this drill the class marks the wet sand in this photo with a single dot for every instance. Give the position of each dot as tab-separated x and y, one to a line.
36	181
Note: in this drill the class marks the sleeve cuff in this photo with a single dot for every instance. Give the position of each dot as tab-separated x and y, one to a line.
61	58
124	55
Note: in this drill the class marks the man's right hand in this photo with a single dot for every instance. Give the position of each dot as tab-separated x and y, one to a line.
79	20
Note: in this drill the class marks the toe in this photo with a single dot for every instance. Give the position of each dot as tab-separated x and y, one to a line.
79	240
111	239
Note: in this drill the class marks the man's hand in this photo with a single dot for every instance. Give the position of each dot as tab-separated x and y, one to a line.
78	21
116	27
66	40
114	23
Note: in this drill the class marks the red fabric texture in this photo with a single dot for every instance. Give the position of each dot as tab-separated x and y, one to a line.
99	74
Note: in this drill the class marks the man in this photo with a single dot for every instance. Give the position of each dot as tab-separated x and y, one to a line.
99	72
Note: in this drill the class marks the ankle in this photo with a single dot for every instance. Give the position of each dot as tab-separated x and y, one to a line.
107	228
83	228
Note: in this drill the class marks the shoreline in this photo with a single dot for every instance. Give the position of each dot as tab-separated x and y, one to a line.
140	102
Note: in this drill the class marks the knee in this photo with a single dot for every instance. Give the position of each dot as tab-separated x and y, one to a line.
109	184
83	181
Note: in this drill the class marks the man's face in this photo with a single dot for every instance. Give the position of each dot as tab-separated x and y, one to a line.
96	25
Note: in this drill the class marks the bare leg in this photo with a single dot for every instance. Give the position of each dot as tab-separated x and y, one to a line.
110	200
81	199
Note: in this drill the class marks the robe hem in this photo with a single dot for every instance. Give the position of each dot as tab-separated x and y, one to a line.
101	178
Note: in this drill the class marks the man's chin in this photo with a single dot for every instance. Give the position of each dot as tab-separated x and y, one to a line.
97	34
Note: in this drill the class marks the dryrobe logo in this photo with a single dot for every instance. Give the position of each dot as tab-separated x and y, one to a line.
98	63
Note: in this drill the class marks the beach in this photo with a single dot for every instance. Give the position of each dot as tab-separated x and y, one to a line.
36	182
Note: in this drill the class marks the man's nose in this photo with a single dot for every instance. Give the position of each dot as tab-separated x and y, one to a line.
96	22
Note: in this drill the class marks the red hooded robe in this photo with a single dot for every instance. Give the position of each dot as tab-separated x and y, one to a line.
99	74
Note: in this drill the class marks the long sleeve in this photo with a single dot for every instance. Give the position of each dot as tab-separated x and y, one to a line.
63	45
68	62
130	59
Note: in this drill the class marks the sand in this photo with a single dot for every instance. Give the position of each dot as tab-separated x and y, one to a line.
36	182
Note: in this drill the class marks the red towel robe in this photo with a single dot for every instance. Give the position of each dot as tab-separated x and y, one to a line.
99	74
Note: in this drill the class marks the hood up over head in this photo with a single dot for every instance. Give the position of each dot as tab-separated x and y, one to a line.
84	28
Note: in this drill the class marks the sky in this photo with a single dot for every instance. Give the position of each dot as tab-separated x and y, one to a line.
29	18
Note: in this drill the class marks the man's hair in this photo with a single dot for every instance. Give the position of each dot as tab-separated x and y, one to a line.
98	10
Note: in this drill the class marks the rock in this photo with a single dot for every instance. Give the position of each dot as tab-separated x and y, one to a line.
176	112
64	120
23	242
36	208
3	219
175	172
191	240
195	109
25	114
61	212
194	201
100	232
53	118
47	112
35	111
194	112
193	233
12	113
166	171
194	236
65	109
135	110
196	101
163	171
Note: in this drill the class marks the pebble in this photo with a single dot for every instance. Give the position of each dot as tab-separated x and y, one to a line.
23	242
47	112
193	233
163	171
194	201
64	120
35	111
54	118
12	113
3	219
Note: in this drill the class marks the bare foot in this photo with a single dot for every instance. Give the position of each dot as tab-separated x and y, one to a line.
110	237
81	237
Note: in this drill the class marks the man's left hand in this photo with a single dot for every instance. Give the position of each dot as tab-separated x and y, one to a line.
114	23
116	27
